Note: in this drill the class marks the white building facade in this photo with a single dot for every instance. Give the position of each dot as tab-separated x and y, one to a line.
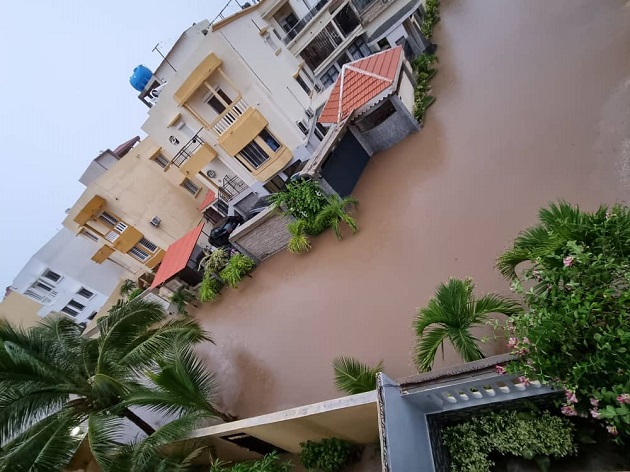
62	278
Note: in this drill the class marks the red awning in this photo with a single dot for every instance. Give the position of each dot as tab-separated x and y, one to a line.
177	256
210	197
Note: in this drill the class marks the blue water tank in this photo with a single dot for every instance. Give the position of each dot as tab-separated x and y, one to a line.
140	77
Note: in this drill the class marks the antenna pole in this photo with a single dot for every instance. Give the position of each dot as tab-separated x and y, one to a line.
157	48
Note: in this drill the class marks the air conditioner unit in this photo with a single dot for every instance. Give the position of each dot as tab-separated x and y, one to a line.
318	87
310	113
155	221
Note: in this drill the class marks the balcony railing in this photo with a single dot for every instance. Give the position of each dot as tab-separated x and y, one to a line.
306	19
232	186
232	7
188	150
362	5
229	116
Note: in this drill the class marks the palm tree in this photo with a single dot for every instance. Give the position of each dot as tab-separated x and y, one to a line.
180	299
352	376
53	380
450	315
335	212
299	241
127	287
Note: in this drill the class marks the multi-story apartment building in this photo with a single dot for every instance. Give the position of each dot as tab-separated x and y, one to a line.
60	277
235	102
135	208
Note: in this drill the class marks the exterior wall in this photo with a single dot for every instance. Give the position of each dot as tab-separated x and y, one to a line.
137	189
19	310
263	235
406	87
98	167
69	257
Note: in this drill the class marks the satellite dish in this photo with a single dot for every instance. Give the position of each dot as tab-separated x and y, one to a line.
212	174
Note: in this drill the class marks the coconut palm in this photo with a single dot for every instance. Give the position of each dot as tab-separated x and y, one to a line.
53	380
561	224
450	315
127	287
335	212
352	376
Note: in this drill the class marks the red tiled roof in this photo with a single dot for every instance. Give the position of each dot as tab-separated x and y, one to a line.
361	82
210	197
177	256
125	147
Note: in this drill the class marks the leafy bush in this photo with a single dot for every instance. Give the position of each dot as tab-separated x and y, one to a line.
328	455
269	463
575	333
180	298
237	267
134	293
352	377
336	211
210	288
430	18
525	434
424	72
215	261
302	200
299	241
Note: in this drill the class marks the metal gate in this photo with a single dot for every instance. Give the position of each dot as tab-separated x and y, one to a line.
344	166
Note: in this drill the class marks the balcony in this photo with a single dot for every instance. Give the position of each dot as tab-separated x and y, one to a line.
301	24
229	116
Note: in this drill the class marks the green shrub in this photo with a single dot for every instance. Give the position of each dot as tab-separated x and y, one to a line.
216	261
237	267
135	293
327	455
299	241
525	434
210	288
302	200
180	298
430	18
269	463
575	332
424	72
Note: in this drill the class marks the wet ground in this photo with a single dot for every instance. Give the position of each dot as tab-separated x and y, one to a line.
533	105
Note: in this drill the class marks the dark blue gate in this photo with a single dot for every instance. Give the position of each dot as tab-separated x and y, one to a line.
344	166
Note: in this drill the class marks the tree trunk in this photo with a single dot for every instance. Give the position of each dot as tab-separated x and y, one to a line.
139	422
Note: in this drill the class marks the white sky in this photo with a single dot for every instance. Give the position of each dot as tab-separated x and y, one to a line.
64	96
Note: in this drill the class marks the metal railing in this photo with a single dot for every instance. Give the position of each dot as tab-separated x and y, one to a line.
188	150
362	5
229	116
305	20
232	7
232	186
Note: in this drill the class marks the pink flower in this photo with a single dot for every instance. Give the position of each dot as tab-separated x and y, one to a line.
595	413
500	369
612	430
624	398
595	402
571	398
512	342
568	410
524	380
568	261
525	340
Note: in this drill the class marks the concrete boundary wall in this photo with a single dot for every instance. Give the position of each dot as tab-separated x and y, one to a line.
262	236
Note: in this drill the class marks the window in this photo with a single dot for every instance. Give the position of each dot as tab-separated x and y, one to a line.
190	186
50	275
69	311
328	78
76	305
383	44
344	59
89	235
303	128
288	22
320	131
359	49
139	253
41	285
254	154
269	140
346	20
300	80
85	293
322	46
161	160
108	219
145	243
34	295
220	101
92	316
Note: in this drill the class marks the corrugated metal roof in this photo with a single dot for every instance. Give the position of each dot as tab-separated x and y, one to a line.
177	256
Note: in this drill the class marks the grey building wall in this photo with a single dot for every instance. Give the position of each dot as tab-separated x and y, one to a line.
393	130
263	235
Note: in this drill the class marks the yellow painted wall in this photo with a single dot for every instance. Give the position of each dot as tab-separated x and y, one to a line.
275	164
198	160
19	310
136	189
241	133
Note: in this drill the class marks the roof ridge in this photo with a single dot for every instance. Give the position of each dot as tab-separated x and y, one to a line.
367	72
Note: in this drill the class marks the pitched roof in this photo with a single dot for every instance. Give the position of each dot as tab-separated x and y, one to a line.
177	256
210	197
125	147
363	83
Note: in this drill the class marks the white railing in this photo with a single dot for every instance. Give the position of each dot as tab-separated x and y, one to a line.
229	116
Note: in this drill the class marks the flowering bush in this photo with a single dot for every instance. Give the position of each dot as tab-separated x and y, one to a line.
575	332
303	200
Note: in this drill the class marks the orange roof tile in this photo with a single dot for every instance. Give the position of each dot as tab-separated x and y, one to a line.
177	256
210	197
361	82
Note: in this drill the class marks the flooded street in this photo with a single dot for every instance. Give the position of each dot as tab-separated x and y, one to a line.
533	105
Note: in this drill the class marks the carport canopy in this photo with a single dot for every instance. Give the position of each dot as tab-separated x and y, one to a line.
177	256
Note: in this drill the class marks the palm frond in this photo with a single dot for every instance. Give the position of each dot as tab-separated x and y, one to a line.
427	346
352	376
299	241
104	432
465	344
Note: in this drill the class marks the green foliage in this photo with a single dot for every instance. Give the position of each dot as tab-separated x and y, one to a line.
127	287
210	288
430	18
53	379
450	315
335	212
237	267
180	298
303	200
299	241
327	455
134	293
215	261
525	434
351	376
269	463
575	333
424	72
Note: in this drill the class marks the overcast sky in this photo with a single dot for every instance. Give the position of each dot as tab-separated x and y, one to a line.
65	96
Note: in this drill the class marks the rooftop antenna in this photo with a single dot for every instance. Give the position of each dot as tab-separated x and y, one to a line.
157	48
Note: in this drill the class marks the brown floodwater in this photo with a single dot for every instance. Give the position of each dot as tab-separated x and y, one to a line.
533	105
